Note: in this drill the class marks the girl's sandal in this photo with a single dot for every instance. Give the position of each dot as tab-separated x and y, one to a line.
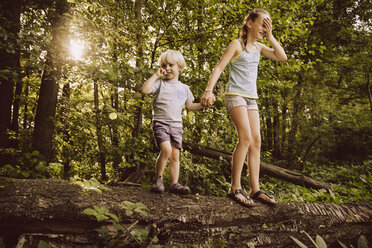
233	194
257	197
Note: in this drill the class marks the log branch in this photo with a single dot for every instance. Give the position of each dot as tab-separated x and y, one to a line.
267	169
53	208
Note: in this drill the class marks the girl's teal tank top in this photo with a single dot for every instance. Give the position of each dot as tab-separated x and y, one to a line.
243	71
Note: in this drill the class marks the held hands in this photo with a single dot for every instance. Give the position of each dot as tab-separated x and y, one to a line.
208	99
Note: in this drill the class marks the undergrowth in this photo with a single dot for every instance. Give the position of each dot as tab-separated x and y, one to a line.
350	183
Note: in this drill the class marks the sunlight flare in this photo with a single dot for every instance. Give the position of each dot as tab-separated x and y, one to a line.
76	49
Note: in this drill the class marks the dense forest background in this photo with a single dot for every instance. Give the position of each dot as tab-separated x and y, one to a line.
71	70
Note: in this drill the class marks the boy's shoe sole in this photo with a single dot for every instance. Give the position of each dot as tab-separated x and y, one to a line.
179	189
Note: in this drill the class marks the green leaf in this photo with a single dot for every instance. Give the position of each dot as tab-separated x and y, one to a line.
140	233
35	153
89	211
128	212
42	244
113	216
119	227
320	242
312	240
25	174
101	210
2	245
362	242
250	245
142	212
342	244
40	167
302	245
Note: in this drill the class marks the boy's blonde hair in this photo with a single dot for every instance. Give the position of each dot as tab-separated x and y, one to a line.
172	57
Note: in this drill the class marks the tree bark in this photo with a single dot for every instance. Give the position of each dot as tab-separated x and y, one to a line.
10	11
65	130
276	131
139	64
44	208
46	108
101	147
267	169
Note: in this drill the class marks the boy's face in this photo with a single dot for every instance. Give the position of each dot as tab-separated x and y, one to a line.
172	71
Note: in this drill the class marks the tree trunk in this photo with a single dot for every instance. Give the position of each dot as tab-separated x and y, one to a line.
267	169
367	73
139	64
10	11
284	108
51	210
295	120
276	130
101	148
46	108
64	119
115	133
16	104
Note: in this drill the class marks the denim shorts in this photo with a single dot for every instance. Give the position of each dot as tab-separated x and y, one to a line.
164	132
232	101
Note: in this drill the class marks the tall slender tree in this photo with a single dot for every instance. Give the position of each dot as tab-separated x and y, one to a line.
10	11
46	108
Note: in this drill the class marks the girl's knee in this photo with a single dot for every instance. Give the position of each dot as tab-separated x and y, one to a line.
245	140
256	142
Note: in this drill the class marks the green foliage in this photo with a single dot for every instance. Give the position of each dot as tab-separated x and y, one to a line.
42	244
101	213
218	243
123	236
131	208
30	165
92	184
350	182
320	243
2	245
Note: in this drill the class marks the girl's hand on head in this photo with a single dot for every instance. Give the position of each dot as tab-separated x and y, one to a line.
268	25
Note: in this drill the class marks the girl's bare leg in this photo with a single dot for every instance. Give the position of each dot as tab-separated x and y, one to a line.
240	119
253	159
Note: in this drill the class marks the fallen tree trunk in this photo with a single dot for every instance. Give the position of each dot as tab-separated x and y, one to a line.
268	169
51	210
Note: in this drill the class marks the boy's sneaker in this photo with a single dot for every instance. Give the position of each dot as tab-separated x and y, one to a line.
179	189
158	186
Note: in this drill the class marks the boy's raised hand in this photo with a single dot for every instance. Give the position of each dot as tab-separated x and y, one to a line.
161	72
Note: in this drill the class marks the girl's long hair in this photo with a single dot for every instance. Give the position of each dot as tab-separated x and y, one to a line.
243	34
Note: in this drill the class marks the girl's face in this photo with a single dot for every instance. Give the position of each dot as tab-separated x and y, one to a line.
171	71
257	28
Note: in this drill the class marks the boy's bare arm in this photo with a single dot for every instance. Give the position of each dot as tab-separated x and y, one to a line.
147	86
193	106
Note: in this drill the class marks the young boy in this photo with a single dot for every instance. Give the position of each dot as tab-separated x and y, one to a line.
170	97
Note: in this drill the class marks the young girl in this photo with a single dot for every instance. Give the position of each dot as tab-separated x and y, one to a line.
243	57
